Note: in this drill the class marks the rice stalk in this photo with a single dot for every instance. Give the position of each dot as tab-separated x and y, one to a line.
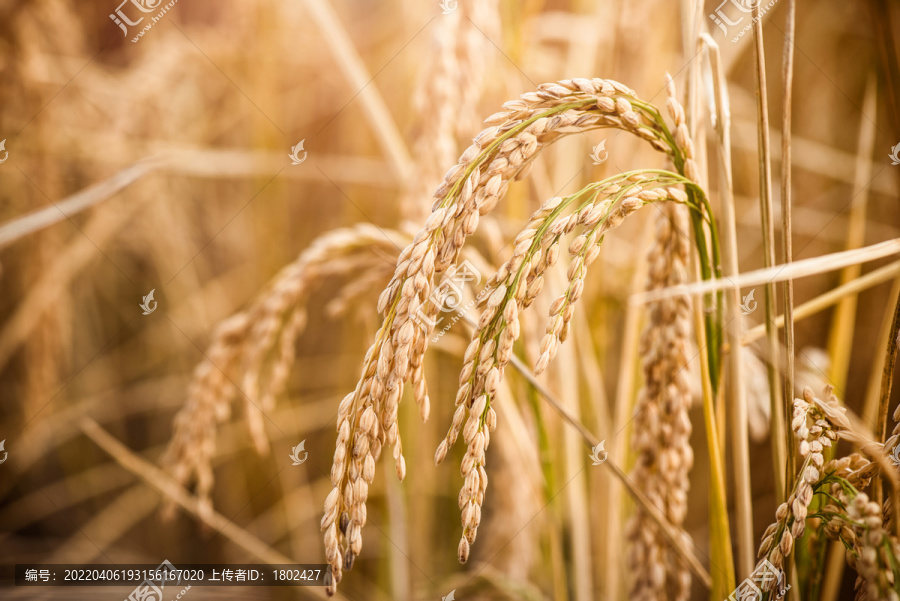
780	408
840	337
787	255
708	327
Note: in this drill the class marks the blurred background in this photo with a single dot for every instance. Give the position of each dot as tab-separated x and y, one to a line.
164	162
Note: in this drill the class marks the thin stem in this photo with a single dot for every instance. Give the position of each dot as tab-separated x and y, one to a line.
787	255
780	410
887	379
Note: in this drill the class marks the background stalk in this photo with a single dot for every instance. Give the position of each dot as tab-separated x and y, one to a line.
736	388
780	411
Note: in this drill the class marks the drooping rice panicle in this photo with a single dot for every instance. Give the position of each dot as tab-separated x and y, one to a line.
603	207
252	351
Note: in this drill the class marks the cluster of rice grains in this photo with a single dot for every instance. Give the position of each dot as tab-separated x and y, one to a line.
367	417
825	418
849	516
857	522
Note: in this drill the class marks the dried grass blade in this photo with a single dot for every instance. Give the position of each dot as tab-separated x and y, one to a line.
823	301
80	201
779	273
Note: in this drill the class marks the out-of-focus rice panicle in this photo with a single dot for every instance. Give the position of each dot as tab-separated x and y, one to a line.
255	347
662	428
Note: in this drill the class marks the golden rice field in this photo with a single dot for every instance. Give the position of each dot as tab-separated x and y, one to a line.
459	300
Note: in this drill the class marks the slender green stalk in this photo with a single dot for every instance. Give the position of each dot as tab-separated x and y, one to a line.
720	538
